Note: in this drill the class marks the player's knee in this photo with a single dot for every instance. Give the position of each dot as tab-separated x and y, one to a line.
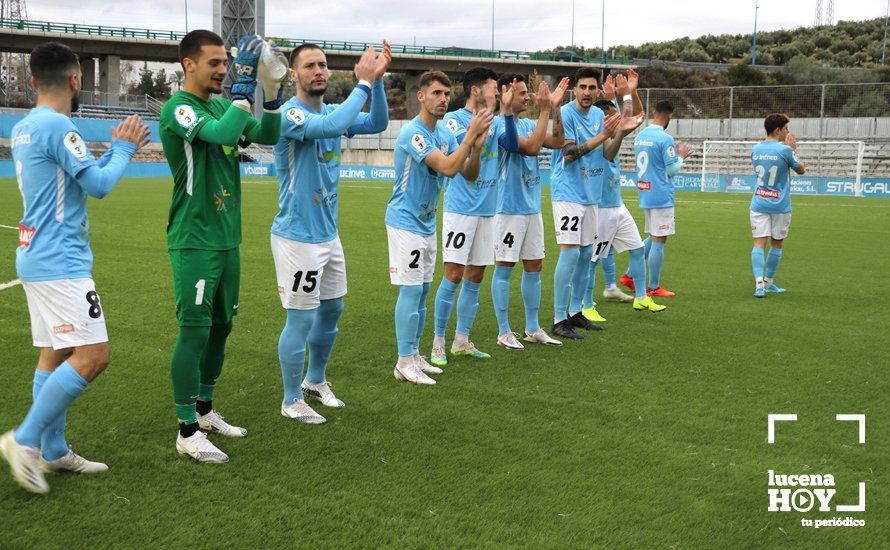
474	273
454	272
533	266
331	308
90	361
776	243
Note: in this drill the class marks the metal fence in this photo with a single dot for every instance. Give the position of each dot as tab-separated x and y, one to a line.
819	101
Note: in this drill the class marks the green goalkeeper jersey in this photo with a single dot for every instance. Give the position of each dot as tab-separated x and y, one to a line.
205	212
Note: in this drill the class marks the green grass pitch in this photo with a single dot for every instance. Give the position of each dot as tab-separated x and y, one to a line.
651	434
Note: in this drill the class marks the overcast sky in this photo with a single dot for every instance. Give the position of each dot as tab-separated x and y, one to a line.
519	24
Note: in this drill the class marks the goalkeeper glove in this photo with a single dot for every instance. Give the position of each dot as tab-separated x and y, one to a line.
247	57
273	88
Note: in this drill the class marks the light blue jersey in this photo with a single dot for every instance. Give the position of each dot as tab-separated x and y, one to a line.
773	162
654	151
611	197
480	197
519	187
580	181
415	195
307	162
54	233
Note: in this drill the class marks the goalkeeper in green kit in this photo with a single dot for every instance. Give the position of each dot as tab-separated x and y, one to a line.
201	136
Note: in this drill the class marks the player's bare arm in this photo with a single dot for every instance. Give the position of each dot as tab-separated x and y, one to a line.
573	151
483	120
791	141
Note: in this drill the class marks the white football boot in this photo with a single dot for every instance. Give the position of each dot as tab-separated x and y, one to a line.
200	448
509	341
410	372
72	462
213	422
541	337
615	294
25	464
425	365
321	392
301	412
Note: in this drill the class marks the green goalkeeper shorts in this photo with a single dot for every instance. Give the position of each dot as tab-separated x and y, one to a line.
205	285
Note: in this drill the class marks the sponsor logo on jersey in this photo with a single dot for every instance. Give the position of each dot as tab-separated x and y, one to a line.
185	116
26	234
418	143
452	125
61	329
767	193
21	139
297	116
75	144
671	151
644	185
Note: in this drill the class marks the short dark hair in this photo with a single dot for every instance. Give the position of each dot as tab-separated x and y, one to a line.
664	107
52	63
300	49
477	76
587	72
603	104
507	78
429	77
191	44
775	121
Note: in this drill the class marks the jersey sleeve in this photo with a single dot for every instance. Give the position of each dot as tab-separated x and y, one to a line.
68	148
455	127
416	144
791	157
669	152
185	120
452	143
293	123
568	125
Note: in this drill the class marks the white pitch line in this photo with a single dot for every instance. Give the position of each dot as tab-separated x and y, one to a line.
10	284
8	227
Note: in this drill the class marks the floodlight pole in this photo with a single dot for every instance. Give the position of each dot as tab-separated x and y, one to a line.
492	25
186	16
754	43
573	25
603	31
884	49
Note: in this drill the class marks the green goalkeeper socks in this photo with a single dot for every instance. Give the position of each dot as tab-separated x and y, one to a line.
212	361
185	369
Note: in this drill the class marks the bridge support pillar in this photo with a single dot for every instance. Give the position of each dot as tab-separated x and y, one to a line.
88	66
110	79
412	86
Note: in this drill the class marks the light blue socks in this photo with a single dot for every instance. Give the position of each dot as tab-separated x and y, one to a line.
321	338
591	282
757	261
562	281
467	305
656	259
407	315
636	270
292	350
59	391
52	442
500	296
421	315
444	305
772	262
531	297
579	278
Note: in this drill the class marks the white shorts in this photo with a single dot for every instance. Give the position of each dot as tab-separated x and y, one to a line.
519	237
65	313
575	223
616	229
770	225
308	272
659	221
412	257
468	240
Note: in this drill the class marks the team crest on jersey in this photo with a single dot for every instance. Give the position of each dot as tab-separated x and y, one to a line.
596	127
490	130
452	125
185	116
418	143
75	144
671	151
297	116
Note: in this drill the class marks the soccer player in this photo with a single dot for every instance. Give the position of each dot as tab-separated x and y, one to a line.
616	228
468	230
201	136
658	161
56	173
773	158
575	189
426	153
520	227
309	260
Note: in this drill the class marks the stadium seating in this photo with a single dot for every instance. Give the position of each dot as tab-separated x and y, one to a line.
116	112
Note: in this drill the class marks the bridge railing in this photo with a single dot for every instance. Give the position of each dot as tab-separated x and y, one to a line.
339	45
92	30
